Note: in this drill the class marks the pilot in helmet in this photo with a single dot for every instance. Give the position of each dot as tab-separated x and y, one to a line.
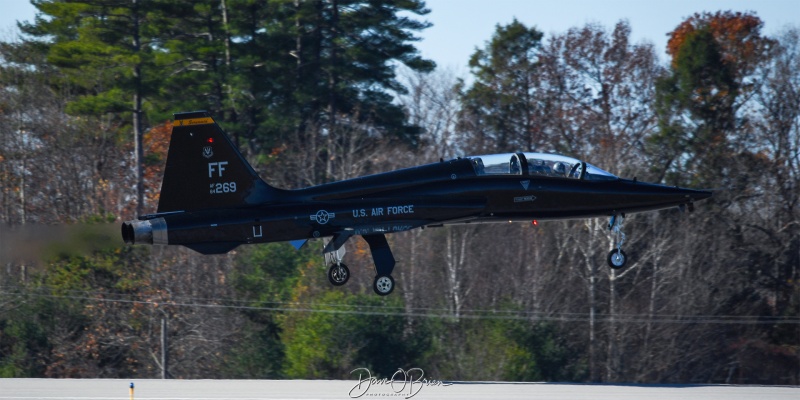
560	169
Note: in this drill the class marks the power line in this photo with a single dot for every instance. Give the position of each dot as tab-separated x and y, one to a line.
389	311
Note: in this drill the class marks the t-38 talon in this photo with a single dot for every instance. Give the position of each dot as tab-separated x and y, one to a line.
213	201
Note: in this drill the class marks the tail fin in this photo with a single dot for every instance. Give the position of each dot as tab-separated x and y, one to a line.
205	170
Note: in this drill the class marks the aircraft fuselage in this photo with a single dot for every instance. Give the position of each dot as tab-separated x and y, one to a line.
438	194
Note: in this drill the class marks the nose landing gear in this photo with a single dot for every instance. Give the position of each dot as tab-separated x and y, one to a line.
617	258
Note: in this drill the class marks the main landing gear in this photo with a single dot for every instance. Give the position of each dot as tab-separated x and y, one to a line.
383	285
617	258
339	274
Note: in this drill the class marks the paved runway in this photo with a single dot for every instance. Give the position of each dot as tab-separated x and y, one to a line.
96	389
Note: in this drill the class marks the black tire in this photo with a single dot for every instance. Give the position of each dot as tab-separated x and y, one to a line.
338	274
617	259
383	285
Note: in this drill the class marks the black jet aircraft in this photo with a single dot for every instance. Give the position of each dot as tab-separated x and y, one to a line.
213	201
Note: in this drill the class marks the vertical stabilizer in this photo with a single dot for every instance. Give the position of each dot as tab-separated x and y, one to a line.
205	170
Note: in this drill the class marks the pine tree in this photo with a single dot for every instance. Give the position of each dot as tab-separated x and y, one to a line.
104	49
499	108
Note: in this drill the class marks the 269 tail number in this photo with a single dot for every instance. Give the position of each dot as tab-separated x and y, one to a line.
222	187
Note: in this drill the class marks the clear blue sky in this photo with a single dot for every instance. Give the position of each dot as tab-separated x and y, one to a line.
459	26
462	25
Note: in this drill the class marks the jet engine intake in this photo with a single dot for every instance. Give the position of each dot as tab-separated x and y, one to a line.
150	231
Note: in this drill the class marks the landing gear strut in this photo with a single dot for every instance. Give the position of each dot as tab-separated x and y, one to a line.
384	264
617	258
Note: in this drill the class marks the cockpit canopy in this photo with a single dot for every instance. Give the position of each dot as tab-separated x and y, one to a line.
538	164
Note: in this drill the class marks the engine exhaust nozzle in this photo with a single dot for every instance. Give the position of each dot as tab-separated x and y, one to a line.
150	231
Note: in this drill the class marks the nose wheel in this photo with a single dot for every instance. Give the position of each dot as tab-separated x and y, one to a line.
617	258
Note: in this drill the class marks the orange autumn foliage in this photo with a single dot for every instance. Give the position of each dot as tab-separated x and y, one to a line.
156	145
737	34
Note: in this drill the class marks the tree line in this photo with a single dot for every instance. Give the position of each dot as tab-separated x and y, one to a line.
314	91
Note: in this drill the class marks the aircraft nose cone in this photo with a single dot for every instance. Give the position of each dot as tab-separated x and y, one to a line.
643	196
688	195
